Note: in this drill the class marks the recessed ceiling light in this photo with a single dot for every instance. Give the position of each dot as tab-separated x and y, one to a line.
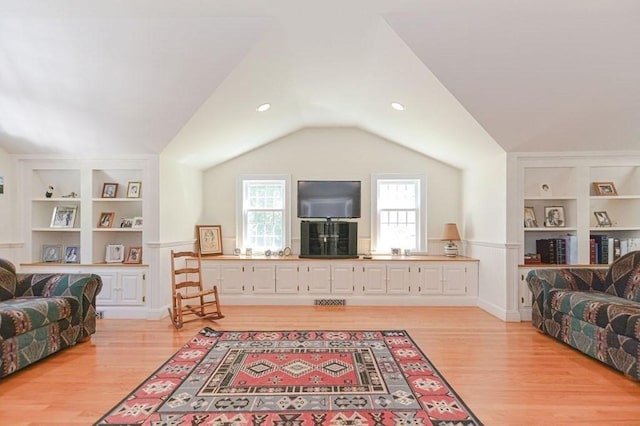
397	106
263	107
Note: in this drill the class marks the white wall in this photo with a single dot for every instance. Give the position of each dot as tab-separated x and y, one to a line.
333	153
8	207
485	210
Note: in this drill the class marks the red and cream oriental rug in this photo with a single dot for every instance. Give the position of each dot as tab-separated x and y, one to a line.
295	378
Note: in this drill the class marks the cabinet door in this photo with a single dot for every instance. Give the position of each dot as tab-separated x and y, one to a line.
109	294
398	279
455	278
342	279
232	279
131	288
430	278
287	278
210	275
524	294
263	278
374	279
319	278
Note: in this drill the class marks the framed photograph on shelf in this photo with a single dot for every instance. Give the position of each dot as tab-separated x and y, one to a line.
106	219
602	218
64	216
604	188
51	253
127	222
72	254
137	222
114	253
554	217
134	189
545	190
109	190
209	239
134	255
530	218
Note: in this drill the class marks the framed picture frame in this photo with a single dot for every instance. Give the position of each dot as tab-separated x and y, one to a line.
209	239
106	219
604	188
134	255
554	217
602	218
51	253
134	189
72	254
64	216
544	190
114	253
109	190
530	217
126	222
137	222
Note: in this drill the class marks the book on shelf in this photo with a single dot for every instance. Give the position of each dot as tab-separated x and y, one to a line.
552	250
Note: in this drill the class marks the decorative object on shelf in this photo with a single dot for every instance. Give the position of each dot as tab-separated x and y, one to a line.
134	189
137	222
127	222
554	217
72	254
545	190
237	251
134	255
602	218
51	253
209	239
532	259
109	190
106	220
114	253
267	253
286	251
63	216
604	188
49	192
71	195
280	253
248	252
396	251
450	235
530	218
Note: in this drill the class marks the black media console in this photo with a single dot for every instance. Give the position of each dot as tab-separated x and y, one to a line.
329	239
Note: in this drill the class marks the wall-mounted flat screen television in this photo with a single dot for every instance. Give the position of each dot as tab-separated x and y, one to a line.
329	199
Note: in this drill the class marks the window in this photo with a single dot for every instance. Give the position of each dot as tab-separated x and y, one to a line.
398	204
264	210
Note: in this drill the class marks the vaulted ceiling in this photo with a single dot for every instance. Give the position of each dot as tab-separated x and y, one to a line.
184	78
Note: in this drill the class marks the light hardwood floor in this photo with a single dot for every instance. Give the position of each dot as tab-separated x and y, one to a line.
507	373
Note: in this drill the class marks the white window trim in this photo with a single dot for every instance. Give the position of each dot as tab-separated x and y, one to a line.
240	211
422	227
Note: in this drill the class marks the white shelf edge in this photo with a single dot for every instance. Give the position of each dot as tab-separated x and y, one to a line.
559	198
117	229
55	229
57	200
555	229
614	197
613	228
117	200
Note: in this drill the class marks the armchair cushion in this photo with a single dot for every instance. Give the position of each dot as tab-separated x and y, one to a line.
24	314
623	278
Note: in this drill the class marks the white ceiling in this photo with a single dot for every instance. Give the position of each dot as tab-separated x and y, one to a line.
184	77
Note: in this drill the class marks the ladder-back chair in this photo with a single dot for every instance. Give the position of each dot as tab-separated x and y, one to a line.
186	282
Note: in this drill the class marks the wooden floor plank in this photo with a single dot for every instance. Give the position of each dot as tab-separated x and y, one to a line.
508	373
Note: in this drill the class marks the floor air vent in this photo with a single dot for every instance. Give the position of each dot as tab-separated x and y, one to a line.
330	302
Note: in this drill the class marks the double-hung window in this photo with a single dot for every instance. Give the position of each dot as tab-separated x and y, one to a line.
399	206
264	209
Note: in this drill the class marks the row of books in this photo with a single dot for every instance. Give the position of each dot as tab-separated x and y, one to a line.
564	250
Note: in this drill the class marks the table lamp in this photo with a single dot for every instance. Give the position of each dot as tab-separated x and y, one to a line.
450	235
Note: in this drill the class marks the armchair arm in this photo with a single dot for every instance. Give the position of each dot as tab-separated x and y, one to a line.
82	287
542	281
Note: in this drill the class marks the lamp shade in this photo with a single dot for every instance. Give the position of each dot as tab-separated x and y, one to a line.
450	232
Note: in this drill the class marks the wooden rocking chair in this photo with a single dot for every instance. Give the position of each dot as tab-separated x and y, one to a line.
186	282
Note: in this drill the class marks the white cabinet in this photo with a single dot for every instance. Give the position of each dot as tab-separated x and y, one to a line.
263	278
398	278
121	288
446	278
372	278
318	278
232	278
342	278
287	278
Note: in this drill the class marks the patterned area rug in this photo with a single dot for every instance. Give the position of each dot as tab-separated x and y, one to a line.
295	378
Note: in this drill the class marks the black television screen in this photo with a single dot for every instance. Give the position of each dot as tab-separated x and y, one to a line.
328	199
